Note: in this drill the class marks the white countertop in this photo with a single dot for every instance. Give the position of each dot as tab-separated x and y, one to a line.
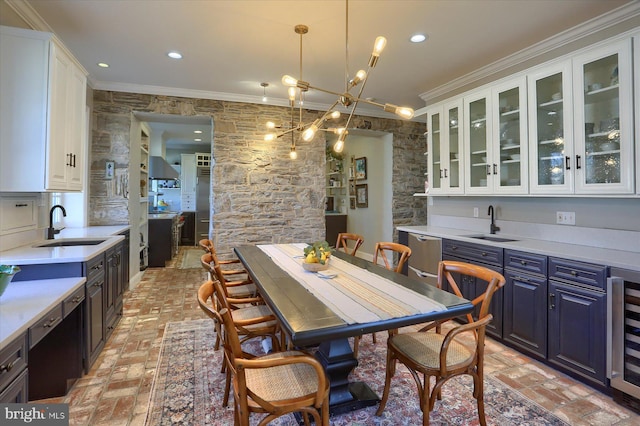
24	302
30	255
607	257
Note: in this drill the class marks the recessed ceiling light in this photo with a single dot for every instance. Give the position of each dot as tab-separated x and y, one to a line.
103	65
418	38
198	140
174	55
197	131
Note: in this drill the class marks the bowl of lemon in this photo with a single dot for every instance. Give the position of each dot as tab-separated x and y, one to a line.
316	257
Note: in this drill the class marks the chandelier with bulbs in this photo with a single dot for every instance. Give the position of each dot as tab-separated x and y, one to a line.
298	87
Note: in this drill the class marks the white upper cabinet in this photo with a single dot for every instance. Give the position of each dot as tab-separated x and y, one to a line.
42	141
496	139
603	107
477	142
445	149
508	146
551	129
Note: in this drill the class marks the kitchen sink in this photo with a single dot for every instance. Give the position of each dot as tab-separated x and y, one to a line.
71	242
491	238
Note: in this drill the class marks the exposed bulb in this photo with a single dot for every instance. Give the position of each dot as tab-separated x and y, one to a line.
379	45
269	137
293	154
309	133
404	112
339	145
335	114
339	130
360	75
287	80
270	125
292	94
264	98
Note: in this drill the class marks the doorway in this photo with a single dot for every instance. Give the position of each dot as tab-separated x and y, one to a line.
184	144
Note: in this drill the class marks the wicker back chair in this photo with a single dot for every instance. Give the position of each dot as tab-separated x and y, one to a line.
275	384
345	239
446	356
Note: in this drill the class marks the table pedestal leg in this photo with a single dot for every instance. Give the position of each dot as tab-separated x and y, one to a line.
337	359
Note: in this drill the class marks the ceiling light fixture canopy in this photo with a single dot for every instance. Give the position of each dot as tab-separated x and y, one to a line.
297	86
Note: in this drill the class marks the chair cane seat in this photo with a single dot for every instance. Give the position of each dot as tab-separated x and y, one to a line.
283	382
424	350
242	291
254	312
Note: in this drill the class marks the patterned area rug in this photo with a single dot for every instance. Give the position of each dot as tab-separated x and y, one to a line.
188	389
191	258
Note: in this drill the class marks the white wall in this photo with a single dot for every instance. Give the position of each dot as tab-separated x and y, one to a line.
374	222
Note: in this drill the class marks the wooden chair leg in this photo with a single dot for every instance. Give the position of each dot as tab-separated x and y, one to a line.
478	393
227	388
373	335
390	371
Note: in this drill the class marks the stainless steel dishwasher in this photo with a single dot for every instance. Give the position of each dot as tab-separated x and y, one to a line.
426	253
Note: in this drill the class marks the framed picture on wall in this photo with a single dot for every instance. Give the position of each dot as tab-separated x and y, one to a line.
361	168
352	203
362	195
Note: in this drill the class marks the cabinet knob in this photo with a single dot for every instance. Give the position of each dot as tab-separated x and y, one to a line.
484	254
523	262
574	273
6	367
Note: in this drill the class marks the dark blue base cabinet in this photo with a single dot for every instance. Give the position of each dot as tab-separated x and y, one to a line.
577	330
525	312
551	309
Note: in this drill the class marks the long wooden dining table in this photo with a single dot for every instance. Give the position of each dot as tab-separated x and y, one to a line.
309	317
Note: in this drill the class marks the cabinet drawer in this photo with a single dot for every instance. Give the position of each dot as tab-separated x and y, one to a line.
18	214
532	263
72	301
13	359
475	252
578	272
95	268
16	392
47	323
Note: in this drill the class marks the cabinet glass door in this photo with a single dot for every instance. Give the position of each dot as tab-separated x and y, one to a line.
603	156
509	157
454	143
551	130
433	142
477	137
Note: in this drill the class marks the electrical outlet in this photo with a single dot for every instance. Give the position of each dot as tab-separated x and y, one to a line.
475	212
566	218
570	218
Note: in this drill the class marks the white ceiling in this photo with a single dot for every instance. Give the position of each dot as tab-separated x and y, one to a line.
231	46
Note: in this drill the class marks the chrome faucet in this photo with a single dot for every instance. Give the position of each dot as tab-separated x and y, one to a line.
51	231
493	227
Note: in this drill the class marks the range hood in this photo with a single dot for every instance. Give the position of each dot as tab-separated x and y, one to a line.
160	169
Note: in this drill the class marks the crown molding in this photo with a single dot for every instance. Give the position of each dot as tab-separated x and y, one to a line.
29	15
594	25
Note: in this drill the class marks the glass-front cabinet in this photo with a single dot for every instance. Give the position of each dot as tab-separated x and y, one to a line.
444	140
551	129
604	120
508	147
477	139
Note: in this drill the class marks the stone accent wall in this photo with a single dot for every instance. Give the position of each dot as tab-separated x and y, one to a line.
259	194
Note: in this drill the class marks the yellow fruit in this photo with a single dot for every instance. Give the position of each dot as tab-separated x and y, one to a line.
324	257
311	258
